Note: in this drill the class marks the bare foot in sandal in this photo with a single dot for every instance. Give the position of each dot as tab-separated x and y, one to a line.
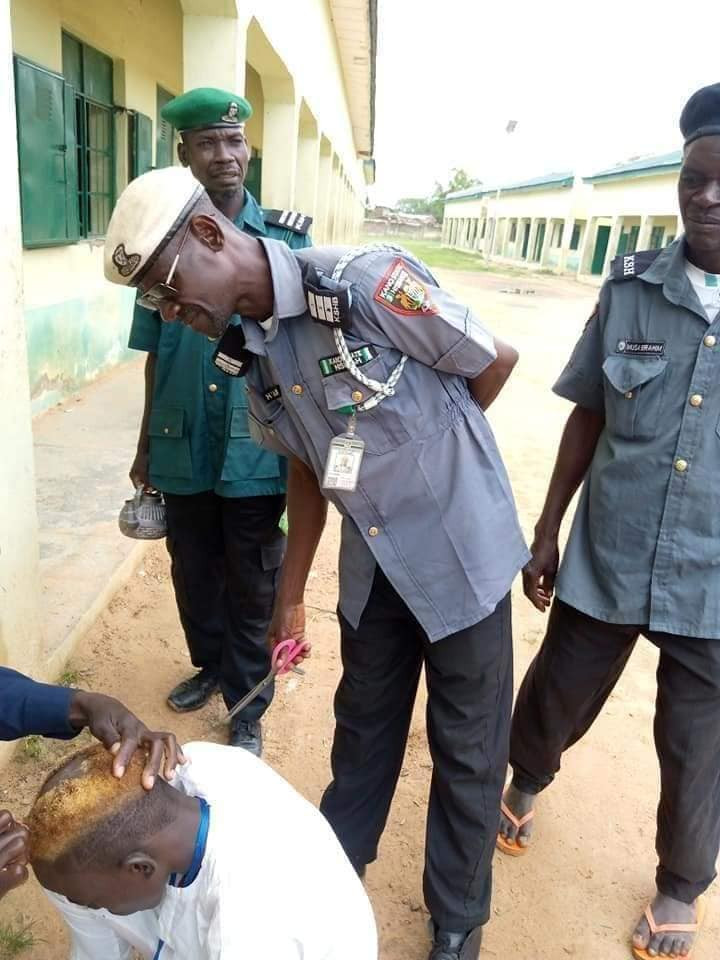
668	928
516	819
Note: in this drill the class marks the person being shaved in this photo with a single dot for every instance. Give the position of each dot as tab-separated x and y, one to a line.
173	874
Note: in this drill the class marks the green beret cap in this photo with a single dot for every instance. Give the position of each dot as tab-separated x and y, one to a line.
206	107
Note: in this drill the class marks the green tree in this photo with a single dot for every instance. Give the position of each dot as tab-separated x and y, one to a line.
414	205
459	180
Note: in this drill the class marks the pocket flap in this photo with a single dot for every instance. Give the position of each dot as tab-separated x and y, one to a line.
343	390
239	422
167	422
629	373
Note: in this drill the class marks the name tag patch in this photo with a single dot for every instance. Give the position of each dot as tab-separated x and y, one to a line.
272	393
336	364
641	348
402	292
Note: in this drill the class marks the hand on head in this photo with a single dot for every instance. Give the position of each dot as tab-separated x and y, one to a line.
123	733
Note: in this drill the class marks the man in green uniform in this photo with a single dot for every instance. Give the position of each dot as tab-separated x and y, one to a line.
224	495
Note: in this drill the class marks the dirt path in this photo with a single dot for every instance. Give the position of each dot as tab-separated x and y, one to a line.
592	865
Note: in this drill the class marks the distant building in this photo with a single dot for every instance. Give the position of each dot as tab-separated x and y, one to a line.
566	223
383	221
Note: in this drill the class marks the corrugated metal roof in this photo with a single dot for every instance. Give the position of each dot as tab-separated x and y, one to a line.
658	163
553	180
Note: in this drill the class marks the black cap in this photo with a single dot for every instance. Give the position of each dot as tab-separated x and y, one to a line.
701	114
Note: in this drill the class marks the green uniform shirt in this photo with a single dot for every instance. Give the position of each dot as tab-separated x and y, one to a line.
199	437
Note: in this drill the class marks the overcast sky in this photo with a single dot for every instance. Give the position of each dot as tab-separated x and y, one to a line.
589	84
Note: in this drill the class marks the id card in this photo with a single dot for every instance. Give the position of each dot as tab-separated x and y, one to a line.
342	467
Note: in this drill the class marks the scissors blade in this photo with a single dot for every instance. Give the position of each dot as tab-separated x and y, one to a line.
249	697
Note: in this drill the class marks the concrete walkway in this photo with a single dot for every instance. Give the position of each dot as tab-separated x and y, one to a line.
83	451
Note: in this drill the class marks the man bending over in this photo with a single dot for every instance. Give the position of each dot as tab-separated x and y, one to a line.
172	872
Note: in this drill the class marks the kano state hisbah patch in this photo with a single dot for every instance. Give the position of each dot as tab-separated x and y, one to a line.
402	292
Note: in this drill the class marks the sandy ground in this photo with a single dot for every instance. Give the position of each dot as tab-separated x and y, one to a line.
590	872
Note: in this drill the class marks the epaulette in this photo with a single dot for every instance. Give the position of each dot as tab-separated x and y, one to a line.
631	265
289	219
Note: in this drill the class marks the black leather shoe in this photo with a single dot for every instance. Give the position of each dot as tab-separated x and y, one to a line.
247	735
456	946
195	692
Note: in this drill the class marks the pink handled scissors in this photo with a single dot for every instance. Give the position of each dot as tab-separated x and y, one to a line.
283	657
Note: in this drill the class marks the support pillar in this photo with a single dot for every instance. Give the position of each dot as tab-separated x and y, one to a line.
20	623
615	231
226	37
646	225
307	173
280	143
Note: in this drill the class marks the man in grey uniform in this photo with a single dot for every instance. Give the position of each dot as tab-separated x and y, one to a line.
373	381
642	557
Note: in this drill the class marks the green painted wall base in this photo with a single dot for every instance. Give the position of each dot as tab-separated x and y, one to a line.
72	343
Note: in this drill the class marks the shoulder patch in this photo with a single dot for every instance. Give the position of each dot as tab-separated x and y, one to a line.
631	265
289	219
403	292
328	300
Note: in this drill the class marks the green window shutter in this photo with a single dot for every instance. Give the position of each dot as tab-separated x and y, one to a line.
71	164
140	144
253	177
97	75
46	148
657	237
72	60
165	137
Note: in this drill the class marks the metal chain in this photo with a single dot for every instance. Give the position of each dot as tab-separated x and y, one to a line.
381	390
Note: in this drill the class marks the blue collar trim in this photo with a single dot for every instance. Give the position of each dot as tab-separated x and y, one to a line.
161	944
185	879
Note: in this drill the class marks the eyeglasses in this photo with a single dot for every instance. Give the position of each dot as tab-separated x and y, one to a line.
158	293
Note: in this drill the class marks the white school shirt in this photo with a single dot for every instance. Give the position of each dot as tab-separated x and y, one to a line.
274	881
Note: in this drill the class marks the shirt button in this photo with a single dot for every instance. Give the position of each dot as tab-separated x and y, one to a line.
710	340
681	465
373	532
629	395
166	430
297	389
356	396
696	400
212	387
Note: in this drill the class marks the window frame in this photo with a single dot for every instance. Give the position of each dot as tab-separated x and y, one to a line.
84	105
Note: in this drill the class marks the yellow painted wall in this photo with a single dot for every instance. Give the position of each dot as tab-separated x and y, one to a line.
254	93
302	33
68	304
641	196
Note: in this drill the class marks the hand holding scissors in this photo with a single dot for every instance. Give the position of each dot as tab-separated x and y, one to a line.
283	657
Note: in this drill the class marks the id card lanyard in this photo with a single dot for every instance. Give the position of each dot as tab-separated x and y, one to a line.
346	451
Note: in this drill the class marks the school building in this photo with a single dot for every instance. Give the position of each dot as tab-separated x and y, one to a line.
84	84
569	224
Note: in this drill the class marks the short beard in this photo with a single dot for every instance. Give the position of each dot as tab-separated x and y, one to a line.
224	196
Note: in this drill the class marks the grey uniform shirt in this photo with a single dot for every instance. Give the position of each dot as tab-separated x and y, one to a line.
645	542
433	506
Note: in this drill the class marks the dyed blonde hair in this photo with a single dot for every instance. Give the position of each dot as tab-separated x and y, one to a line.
82	808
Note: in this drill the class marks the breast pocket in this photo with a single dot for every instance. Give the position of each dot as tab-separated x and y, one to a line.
169	443
244	459
382	428
634	396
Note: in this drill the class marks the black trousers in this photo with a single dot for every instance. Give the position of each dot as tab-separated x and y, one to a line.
469	683
226	553
578	665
